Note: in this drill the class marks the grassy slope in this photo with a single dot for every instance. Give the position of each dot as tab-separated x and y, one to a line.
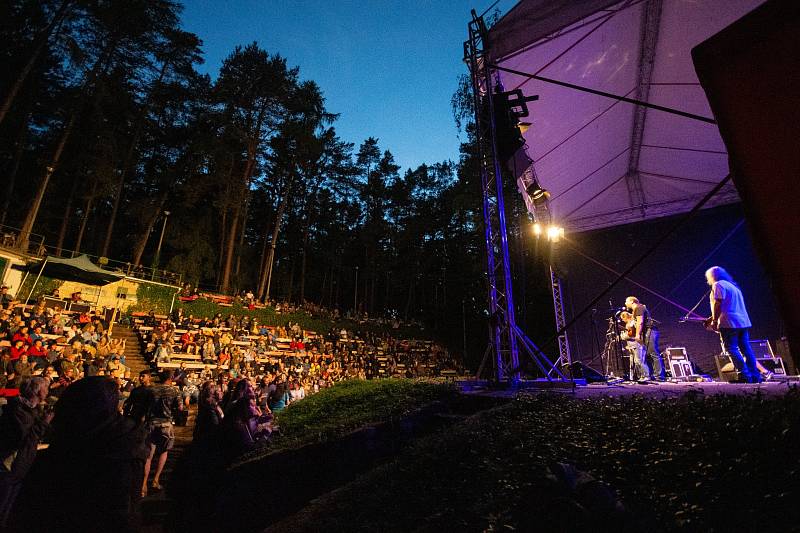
721	463
348	406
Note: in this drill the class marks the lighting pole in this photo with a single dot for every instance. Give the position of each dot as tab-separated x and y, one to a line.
160	240
355	295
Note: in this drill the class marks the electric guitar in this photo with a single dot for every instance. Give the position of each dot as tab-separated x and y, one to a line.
700	320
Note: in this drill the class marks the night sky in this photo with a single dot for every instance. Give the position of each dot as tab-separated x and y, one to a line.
388	68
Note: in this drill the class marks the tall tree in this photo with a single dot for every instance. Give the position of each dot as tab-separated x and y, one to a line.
253	89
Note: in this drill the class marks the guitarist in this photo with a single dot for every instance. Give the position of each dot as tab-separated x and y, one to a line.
729	317
636	349
647	335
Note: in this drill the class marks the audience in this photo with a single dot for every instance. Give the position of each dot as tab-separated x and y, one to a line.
107	435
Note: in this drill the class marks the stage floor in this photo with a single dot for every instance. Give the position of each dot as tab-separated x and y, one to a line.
659	390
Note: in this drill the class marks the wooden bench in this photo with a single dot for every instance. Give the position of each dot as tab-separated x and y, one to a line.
193	366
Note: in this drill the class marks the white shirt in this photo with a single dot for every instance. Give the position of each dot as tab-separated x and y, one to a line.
733	313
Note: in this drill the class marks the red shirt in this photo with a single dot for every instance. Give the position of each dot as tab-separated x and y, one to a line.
21	337
16	353
37	352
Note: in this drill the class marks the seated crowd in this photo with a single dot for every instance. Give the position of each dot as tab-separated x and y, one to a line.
61	345
239	346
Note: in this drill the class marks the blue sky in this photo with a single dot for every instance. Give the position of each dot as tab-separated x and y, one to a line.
387	67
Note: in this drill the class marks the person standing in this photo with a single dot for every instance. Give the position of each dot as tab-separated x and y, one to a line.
21	429
161	436
729	317
647	335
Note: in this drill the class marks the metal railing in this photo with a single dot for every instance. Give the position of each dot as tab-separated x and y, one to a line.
9	238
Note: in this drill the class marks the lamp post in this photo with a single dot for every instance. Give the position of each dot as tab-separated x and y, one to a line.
355	296
160	240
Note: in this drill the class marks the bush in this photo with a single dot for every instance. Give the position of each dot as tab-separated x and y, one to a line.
152	297
43	287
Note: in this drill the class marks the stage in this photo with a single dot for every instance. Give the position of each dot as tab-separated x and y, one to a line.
650	389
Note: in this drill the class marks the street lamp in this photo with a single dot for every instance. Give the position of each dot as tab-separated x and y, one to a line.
355	295
160	240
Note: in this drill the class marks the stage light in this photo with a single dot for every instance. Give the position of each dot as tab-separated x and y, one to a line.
537	229
537	193
555	233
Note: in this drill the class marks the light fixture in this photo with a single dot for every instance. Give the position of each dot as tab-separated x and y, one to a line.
555	233
536	192
537	229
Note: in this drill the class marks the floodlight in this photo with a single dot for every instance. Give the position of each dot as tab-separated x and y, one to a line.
537	193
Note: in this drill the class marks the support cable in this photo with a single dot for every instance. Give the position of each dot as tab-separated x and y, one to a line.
632	281
571	135
605	94
704	259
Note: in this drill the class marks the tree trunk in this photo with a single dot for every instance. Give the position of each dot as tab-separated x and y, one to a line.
244	230
123	174
62	233
12	176
33	212
39	45
138	250
229	247
303	253
290	288
322	290
85	219
273	243
221	255
410	296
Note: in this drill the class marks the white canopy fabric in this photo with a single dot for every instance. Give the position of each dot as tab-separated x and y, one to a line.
608	162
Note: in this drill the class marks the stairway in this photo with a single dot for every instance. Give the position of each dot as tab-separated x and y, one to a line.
134	359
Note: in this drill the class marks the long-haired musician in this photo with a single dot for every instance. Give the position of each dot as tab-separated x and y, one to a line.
729	317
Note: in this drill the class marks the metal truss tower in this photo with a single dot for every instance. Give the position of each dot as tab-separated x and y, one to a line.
507	339
564	357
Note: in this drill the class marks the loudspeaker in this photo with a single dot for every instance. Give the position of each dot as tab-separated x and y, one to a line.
785	353
773	364
761	348
581	371
725	369
679	364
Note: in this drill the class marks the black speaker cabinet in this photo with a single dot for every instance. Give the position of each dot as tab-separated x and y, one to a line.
725	369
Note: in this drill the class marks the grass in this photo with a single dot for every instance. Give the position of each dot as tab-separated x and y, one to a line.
723	463
350	405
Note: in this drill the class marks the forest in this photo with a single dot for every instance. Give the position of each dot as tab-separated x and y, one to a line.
110	136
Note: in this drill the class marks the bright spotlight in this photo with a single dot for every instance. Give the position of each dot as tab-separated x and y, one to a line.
537	229
555	233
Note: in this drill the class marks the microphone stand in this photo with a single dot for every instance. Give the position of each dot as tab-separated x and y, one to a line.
686	317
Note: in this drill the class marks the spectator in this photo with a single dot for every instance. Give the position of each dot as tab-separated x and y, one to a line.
21	429
209	412
161	437
83	482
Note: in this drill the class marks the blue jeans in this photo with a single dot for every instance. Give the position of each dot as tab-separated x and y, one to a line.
736	342
657	370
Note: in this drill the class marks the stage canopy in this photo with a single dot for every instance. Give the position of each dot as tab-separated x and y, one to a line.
608	162
79	269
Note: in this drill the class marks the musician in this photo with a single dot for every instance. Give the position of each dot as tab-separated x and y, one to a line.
637	351
729	317
647	334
